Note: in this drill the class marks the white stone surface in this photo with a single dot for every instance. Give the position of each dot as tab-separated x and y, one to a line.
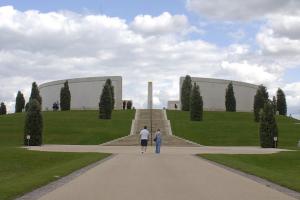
213	93
85	92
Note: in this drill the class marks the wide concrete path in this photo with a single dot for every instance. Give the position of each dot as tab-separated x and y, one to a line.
173	175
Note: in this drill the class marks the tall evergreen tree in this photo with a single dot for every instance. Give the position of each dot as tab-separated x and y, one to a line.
129	105
26	106
186	90
34	124
230	102
124	104
260	98
196	110
281	102
35	93
3	109
105	104
20	102
274	101
108	81
65	97
268	126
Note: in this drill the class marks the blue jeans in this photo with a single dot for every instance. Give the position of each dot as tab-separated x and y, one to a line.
157	147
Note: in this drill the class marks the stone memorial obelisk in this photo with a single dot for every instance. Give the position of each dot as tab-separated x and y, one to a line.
150	97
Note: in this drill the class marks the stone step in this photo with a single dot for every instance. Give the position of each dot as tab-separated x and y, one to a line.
167	140
158	121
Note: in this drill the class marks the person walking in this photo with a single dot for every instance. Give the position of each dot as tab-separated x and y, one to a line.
157	141
144	136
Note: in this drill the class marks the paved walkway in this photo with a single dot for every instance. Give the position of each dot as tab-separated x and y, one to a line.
174	174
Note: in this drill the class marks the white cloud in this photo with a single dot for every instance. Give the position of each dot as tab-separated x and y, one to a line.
162	24
252	73
42	47
59	45
240	10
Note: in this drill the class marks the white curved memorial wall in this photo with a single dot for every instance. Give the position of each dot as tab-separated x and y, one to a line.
85	92
213	93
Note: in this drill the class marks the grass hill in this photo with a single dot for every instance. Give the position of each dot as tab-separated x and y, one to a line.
230	129
68	127
22	171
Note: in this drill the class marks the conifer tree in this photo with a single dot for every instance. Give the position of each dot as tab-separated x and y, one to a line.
268	126
196	109
129	105
108	81
3	109
281	102
20	102
230	102
186	90
260	98
26	106
274	101
65	97
35	93
105	104
124	105
33	124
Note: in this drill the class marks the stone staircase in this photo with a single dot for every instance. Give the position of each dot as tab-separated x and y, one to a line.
159	120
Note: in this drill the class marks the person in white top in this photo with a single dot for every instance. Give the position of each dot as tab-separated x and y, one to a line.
144	136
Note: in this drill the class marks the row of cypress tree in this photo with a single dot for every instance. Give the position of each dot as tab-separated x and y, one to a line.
264	112
261	97
230	101
191	99
186	95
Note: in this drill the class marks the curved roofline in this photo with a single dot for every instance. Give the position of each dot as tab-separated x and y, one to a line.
220	81
83	79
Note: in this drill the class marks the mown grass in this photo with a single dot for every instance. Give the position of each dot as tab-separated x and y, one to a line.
230	129
239	129
22	171
69	127
281	168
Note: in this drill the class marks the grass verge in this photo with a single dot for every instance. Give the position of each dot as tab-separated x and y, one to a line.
281	168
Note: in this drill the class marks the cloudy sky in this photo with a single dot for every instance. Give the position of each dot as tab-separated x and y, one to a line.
256	41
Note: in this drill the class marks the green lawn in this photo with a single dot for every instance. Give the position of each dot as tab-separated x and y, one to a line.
239	129
281	168
22	171
69	127
230	129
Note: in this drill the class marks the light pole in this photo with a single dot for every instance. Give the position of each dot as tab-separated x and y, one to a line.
275	141
28	138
